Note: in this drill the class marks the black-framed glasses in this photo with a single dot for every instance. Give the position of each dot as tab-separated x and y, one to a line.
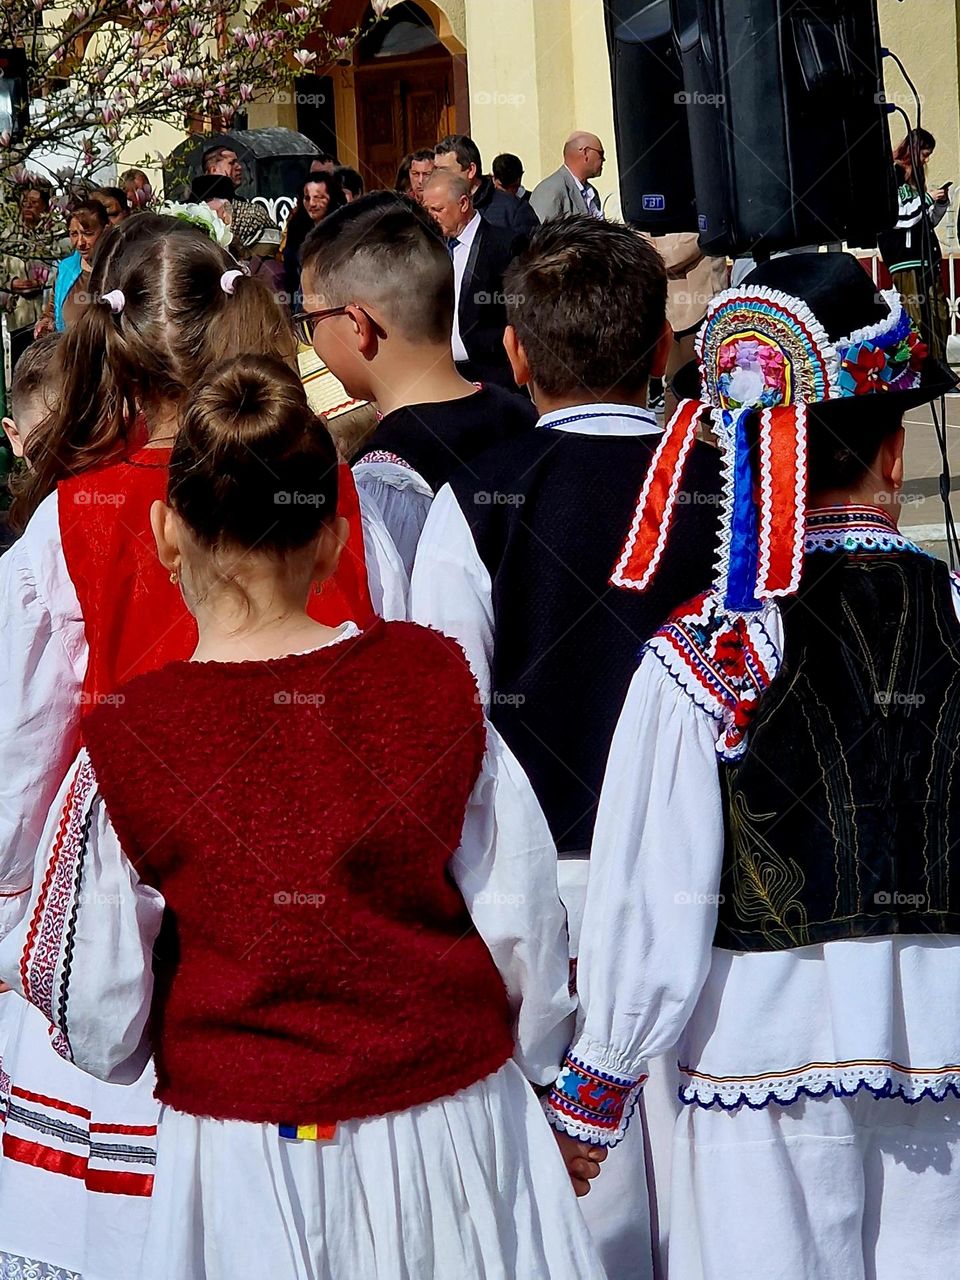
303	321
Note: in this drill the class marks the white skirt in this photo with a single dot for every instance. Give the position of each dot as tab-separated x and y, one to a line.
620	1210
77	1163
826	1189
470	1187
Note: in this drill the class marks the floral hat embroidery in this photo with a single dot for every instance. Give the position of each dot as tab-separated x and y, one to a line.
760	348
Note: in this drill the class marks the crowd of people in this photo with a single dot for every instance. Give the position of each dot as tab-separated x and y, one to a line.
518	845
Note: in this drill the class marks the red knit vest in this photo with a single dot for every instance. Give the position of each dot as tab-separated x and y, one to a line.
317	963
133	615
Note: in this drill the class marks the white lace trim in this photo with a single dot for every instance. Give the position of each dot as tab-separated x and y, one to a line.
859	538
843	1079
725	536
795	308
14	1267
870	332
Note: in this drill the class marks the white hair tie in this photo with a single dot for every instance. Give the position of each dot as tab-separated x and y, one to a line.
228	281
114	300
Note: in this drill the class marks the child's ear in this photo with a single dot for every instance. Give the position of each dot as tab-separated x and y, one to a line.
517	357
330	543
13	435
661	352
165	535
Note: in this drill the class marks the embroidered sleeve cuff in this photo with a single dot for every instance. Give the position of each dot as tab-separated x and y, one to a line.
591	1104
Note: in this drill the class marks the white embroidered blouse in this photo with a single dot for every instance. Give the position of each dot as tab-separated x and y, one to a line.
756	1028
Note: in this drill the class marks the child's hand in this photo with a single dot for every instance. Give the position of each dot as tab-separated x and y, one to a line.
582	1160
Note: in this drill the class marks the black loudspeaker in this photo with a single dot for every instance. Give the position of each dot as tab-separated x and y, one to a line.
653	148
14	101
787	122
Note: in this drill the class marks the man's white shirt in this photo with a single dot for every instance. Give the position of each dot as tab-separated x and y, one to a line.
461	254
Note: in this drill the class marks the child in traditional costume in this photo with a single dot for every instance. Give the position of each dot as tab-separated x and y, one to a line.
515	558
305	863
774	885
85	606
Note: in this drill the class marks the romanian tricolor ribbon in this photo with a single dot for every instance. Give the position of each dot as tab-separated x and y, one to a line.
308	1132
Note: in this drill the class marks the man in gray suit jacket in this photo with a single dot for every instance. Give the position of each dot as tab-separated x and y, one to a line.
569	189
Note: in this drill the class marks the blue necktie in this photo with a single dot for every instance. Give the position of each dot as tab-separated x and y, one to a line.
452	244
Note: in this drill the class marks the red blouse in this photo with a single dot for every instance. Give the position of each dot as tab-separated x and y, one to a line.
133	615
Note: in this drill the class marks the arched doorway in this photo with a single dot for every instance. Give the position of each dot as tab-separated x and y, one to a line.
410	87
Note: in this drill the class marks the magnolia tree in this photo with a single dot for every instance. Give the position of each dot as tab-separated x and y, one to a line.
103	73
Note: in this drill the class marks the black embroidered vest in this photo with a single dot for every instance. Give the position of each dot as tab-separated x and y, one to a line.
843	815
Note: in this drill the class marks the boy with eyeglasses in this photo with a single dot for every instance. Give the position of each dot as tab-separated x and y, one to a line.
378	310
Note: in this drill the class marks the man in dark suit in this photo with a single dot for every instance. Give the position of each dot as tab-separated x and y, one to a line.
507	173
460	154
480	254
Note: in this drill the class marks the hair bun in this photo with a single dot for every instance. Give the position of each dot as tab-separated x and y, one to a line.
244	394
253	466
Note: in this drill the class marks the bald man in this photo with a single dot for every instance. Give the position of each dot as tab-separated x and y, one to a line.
480	253
569	190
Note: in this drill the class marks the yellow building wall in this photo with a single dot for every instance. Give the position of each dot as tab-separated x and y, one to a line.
538	70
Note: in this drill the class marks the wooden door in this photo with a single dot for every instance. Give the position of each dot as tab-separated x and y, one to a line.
401	108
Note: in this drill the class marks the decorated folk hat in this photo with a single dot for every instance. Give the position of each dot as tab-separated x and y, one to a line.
806	337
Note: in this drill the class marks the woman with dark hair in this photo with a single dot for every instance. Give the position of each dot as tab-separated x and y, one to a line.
402	183
320	193
86	224
911	250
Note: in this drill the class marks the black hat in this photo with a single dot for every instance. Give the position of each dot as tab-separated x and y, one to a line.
212	186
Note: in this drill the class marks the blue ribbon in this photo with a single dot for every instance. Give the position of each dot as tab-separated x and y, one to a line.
742	571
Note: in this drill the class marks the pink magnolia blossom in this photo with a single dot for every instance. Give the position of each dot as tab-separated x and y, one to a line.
304	57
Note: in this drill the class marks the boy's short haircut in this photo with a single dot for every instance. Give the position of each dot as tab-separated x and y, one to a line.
588	302
384	250
425	153
844	438
35	372
507	169
464	148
